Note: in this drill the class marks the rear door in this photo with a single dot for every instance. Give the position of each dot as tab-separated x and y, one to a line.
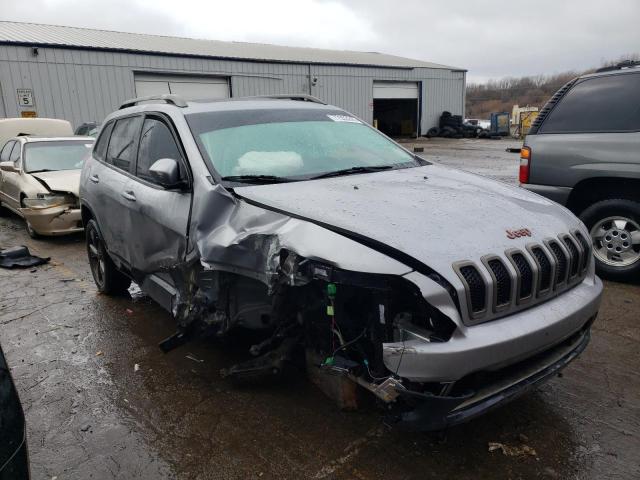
107	182
594	130
159	217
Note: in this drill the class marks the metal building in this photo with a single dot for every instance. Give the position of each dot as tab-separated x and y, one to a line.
82	75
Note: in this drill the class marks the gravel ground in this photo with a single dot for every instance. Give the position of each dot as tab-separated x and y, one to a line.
91	414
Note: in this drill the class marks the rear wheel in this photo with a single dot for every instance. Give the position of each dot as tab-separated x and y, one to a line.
108	278
614	226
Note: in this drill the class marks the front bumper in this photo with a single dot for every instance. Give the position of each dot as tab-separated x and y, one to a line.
59	220
493	345
426	412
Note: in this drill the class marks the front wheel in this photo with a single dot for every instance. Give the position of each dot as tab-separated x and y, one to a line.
614	226
32	233
108	278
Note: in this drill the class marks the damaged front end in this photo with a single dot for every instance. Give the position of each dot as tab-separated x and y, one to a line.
54	213
357	318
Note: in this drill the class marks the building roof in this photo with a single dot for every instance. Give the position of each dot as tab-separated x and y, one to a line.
61	36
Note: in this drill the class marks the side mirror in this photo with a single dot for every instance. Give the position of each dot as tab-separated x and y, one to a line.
8	167
166	172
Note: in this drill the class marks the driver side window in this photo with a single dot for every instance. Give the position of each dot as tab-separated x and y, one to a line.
156	142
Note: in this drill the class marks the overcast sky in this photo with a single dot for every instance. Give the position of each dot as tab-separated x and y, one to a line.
491	39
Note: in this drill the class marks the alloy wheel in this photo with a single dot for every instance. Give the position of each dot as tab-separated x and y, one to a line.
616	241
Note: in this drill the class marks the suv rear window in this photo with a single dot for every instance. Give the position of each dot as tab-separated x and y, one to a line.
123	143
609	103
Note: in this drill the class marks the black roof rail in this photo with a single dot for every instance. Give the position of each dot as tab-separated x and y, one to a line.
302	97
176	100
619	66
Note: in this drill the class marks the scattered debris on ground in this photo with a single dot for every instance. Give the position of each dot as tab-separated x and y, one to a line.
20	257
512	451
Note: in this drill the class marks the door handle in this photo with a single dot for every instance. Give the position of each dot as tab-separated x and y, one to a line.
94	178
129	195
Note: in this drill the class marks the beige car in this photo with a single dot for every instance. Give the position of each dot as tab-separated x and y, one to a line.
39	180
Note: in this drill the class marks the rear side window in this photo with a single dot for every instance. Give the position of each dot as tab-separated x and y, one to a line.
123	143
603	104
100	150
156	142
6	151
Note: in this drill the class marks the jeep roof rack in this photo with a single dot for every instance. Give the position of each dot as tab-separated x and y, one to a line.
301	97
619	66
176	100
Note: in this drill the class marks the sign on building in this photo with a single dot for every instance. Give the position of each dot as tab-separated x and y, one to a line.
25	98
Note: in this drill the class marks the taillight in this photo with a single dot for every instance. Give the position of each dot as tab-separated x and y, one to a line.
525	163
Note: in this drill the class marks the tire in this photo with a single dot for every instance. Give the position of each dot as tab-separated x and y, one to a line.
107	277
433	132
32	233
614	226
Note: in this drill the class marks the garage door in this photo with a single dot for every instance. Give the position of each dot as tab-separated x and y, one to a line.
191	88
395	89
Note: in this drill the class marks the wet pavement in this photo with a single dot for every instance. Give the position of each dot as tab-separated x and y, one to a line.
91	414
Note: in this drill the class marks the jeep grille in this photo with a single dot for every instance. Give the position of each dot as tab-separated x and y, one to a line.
495	287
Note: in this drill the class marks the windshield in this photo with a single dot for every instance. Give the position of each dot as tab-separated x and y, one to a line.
58	155
292	143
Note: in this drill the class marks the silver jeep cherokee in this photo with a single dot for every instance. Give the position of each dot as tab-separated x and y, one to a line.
442	293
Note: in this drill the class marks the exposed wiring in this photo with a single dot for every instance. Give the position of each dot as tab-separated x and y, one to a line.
351	342
366	364
401	355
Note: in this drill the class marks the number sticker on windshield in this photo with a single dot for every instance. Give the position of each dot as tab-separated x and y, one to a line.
344	118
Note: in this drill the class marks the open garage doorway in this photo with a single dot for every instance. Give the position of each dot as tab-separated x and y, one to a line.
396	107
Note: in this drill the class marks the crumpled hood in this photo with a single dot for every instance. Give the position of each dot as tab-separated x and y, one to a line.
61	181
435	214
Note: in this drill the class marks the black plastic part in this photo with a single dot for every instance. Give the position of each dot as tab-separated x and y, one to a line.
174	341
20	257
435	413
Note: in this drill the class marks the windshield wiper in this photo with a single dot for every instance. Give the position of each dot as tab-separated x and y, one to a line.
257	179
352	170
41	170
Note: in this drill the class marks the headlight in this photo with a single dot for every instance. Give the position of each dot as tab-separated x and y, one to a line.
48	200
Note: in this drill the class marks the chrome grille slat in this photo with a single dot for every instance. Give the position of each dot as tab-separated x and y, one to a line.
477	288
525	275
562	263
502	281
574	256
586	251
495	287
545	270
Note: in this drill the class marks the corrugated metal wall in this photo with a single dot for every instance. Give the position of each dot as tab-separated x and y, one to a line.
85	85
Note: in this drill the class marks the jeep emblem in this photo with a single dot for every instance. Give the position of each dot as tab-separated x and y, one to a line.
523	232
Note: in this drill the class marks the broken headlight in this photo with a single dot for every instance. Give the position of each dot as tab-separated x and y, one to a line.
48	200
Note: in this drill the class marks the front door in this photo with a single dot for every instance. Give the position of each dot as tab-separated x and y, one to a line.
11	180
158	216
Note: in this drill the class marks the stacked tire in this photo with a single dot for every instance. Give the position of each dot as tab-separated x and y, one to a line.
453	126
